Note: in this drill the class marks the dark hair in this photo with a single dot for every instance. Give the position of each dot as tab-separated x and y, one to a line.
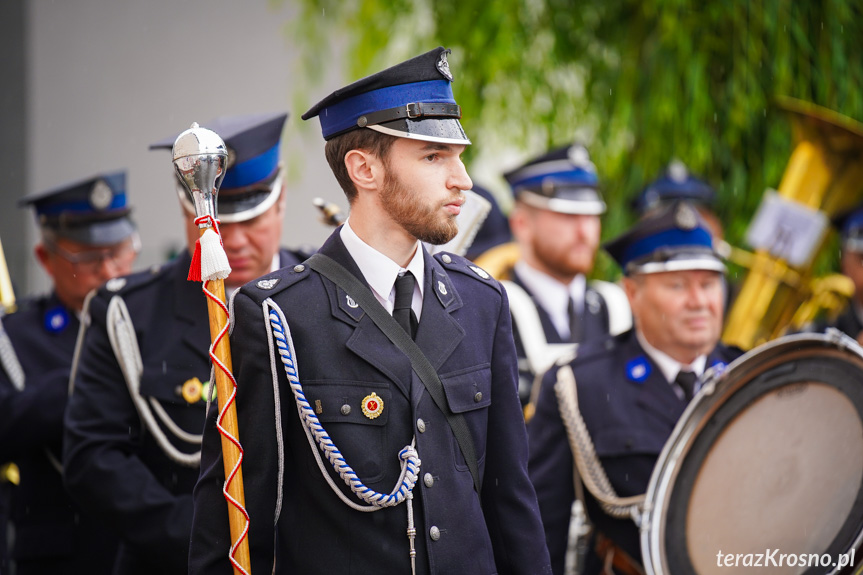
362	139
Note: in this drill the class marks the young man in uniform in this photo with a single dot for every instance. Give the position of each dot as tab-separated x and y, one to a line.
132	443
87	238
556	222
447	441
632	388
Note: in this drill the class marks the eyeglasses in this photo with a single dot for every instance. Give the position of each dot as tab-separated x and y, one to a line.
90	261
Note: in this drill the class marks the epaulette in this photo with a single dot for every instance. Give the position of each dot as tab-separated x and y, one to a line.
452	262
124	285
275	282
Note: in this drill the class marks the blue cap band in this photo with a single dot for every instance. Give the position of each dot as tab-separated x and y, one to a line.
853	223
343	115
252	171
575	176
82	206
673	238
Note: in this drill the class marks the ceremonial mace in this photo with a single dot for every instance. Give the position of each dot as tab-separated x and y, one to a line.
200	159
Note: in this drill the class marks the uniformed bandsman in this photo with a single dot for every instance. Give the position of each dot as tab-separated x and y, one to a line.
556	223
676	183
632	388
850	321
132	443
86	238
435	456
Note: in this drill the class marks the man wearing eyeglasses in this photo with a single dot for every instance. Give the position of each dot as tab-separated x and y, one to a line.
86	239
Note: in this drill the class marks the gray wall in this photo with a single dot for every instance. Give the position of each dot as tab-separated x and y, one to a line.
104	78
13	136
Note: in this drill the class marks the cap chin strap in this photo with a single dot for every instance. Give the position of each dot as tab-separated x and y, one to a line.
245	215
559	205
413	136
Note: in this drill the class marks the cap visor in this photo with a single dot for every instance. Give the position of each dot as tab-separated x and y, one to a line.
440	130
100	233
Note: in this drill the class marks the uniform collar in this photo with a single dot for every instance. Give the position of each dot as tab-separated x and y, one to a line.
381	272
669	366
552	295
274	266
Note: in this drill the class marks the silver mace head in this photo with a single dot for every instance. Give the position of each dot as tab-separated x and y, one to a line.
200	159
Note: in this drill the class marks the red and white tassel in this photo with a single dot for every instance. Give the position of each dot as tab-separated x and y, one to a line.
214	261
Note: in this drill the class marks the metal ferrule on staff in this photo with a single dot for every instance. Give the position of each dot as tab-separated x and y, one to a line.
200	160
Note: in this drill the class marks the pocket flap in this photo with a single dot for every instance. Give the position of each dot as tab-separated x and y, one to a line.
469	389
344	401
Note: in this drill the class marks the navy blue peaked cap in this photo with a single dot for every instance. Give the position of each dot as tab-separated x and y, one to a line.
409	100
91	211
494	229
675	183
672	238
563	180
850	225
252	181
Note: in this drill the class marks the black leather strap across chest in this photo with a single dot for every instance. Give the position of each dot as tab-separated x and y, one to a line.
361	294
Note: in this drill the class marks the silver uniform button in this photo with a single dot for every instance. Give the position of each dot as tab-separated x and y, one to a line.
428	479
421	426
478	397
434	533
346	409
299	267
446	259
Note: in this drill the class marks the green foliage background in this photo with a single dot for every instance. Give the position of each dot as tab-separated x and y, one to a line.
639	81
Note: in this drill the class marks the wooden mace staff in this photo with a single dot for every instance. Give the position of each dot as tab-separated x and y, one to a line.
200	159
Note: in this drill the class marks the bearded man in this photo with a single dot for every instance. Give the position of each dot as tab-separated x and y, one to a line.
380	346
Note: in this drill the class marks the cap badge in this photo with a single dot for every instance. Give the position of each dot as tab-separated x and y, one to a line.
350	301
441	287
373	406
101	195
193	390
677	171
480	272
579	157
443	66
268	284
56	319
115	284
685	218
638	369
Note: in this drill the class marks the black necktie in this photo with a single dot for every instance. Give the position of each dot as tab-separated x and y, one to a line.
574	324
686	380
402	311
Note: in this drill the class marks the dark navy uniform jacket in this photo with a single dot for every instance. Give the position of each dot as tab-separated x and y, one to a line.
849	322
594	324
629	422
465	332
52	535
114	467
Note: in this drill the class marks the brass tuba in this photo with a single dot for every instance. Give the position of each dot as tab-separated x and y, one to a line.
824	179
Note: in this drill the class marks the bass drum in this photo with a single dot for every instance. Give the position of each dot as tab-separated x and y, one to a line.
765	467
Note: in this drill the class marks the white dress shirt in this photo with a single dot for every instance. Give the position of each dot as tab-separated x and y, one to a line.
554	296
670	367
381	272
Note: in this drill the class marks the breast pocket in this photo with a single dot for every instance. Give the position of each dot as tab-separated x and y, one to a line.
468	392
354	415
